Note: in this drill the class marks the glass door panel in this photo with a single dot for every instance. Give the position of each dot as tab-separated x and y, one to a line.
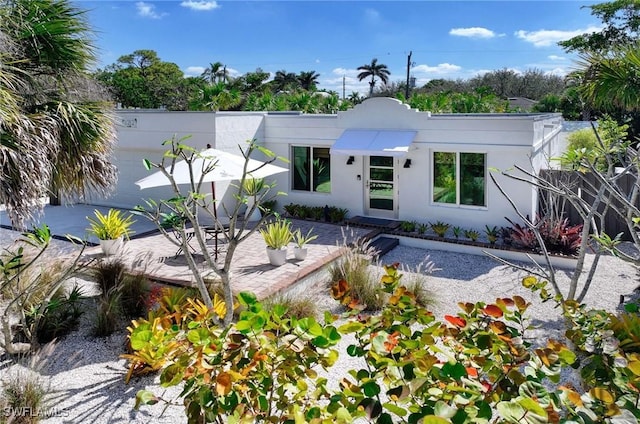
381	191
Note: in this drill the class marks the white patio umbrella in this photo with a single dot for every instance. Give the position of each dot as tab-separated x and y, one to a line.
222	166
227	167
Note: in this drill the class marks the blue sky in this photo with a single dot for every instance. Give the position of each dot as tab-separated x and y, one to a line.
449	39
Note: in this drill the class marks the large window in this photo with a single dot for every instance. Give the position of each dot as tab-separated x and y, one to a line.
459	178
311	169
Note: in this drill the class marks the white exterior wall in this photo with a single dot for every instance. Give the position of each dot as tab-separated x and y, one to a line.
140	136
523	139
506	140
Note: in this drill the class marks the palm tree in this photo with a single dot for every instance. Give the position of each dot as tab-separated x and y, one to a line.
56	130
284	81
308	80
374	70
610	81
216	72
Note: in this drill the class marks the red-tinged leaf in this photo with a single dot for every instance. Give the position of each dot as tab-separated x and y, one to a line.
467	307
223	384
507	301
472	372
456	321
493	311
498	327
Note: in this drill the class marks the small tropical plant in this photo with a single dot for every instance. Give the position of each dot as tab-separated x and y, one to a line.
113	225
337	215
472	234
440	228
422	228
492	233
457	232
301	239
277	234
408	226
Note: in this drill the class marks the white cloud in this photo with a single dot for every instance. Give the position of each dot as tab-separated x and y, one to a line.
194	71
545	38
441	69
346	72
561	72
200	5
473	32
556	57
372	16
148	10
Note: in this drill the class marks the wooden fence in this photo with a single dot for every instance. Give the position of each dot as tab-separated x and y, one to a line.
613	224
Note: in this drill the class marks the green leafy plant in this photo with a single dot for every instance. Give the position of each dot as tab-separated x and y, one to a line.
337	215
296	306
113	225
216	363
301	239
353	266
472	234
277	234
23	392
408	226
492	233
422	228
440	228
457	232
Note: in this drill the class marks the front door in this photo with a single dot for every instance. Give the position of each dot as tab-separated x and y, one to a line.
381	198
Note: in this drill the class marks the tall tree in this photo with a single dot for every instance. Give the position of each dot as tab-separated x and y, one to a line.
284	81
612	81
56	131
308	80
216	72
374	70
142	79
621	19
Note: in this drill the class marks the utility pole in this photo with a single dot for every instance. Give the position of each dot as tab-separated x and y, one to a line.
406	89
343	85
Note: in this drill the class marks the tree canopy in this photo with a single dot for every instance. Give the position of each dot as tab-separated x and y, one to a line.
56	131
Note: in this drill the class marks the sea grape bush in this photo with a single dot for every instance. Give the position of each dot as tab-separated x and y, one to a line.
473	367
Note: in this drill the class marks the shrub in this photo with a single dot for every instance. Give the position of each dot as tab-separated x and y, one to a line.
109	274
108	314
58	317
560	237
408	226
471	234
457	232
473	367
298	306
440	228
337	215
354	267
134	290
23	395
422	228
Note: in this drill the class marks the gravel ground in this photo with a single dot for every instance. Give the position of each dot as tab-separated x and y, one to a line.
86	375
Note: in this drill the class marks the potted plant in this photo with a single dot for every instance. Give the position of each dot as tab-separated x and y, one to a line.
277	235
111	229
301	240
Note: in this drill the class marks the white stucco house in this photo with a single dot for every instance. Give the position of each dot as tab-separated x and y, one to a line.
379	159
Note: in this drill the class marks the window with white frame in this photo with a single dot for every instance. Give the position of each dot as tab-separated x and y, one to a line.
460	178
310	169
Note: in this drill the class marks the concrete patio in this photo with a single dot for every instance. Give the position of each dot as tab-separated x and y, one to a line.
151	253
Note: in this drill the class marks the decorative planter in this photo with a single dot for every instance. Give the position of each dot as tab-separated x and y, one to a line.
300	253
111	247
277	257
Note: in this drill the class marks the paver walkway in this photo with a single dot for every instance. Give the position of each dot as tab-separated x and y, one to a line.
250	270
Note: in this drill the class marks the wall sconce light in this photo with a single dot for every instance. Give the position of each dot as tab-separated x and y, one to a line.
350	160
407	163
